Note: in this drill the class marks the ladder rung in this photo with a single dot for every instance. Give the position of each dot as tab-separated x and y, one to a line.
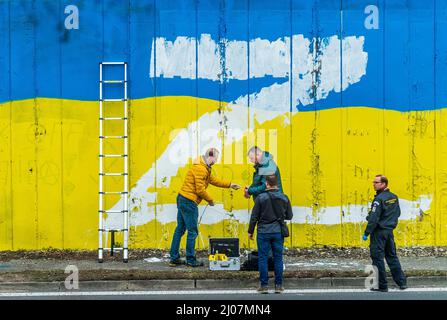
112	81
123	211
112	137
113	155
113	192
112	100
114	118
112	62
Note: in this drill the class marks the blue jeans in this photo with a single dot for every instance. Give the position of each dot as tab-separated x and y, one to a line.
187	217
267	242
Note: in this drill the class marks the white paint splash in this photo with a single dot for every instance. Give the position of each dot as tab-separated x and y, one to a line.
410	210
178	58
267	58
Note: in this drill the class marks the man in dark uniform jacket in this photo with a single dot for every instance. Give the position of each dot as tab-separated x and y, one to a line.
382	220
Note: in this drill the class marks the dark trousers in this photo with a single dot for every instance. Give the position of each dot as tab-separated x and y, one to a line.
382	247
186	220
270	242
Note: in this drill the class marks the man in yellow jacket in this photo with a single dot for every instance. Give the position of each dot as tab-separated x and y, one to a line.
190	195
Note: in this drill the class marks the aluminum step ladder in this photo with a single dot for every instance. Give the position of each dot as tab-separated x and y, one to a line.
125	175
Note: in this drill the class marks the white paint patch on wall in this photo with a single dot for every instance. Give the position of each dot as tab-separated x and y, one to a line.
178	58
304	65
267	58
411	210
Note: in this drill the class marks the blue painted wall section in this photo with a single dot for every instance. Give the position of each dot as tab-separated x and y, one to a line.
40	58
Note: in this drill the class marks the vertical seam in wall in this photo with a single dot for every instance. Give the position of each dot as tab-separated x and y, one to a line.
410	123
315	168
196	51
36	129
61	102
291	114
223	83
341	124
10	129
222	72
435	198
102	20
155	115
196	17
248	98
383	88
129	18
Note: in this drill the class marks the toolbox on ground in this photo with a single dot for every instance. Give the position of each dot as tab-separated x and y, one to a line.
224	254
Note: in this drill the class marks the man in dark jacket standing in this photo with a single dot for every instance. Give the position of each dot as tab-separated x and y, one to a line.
269	237
264	165
382	220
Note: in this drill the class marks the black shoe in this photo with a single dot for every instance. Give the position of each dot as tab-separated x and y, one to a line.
403	287
379	290
175	263
195	264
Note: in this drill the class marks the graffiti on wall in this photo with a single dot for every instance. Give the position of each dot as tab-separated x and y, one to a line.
336	91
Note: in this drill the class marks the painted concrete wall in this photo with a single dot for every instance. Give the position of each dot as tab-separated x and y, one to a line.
338	91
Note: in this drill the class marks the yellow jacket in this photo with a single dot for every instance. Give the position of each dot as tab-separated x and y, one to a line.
197	180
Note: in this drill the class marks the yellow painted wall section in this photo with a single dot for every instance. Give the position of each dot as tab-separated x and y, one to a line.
328	159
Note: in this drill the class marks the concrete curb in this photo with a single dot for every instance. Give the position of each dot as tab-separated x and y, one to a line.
208	284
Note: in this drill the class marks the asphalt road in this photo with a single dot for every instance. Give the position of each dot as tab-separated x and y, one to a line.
235	296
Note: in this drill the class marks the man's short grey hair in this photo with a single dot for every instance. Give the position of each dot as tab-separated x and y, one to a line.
254	149
211	152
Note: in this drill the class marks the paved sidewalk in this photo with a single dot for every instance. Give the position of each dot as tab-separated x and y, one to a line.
331	268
